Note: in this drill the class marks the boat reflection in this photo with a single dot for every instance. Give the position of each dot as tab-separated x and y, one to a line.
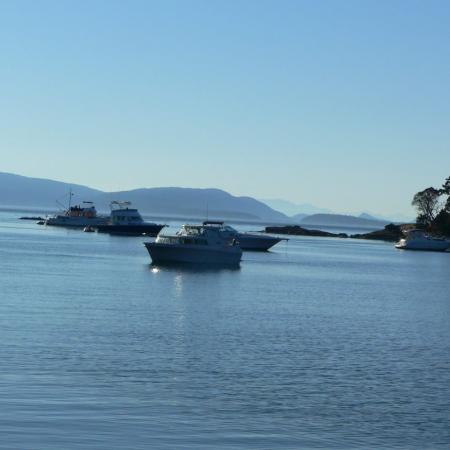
191	268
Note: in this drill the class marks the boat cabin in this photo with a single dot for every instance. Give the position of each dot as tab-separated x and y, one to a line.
122	214
85	209
198	235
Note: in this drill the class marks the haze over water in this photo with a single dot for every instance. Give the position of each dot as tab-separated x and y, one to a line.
321	343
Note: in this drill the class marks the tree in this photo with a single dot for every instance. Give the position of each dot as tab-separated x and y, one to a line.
446	191
427	205
445	187
441	224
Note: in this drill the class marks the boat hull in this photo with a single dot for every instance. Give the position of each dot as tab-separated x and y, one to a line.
131	230
434	247
75	222
193	254
254	242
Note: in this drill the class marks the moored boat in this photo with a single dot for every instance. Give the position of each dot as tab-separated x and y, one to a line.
247	241
419	240
78	216
195	244
125	220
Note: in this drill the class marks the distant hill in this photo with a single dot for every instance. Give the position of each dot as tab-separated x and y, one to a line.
397	218
189	202
369	217
299	217
294	209
341	220
16	190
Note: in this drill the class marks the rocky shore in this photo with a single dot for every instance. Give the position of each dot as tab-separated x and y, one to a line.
390	232
297	230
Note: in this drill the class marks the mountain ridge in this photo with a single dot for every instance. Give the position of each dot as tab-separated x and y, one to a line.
18	190
342	220
292	209
178	202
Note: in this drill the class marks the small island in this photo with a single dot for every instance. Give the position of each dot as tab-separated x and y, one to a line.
297	230
390	232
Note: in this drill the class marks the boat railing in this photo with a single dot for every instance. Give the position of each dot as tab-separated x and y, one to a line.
117	205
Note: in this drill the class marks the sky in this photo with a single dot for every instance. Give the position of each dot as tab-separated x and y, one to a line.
343	104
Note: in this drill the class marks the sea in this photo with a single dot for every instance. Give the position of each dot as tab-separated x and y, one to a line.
321	343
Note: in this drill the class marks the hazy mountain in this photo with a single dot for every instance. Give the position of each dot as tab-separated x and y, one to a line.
298	217
341	220
293	209
189	202
16	190
398	218
369	217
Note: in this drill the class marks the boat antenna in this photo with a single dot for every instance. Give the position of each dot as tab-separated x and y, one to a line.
70	197
70	194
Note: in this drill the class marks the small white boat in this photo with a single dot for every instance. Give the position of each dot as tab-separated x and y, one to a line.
419	240
247	241
195	244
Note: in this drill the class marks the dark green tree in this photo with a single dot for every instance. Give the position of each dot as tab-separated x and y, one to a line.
446	191
441	224
446	187
427	205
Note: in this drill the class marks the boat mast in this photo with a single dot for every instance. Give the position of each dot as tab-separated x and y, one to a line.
70	197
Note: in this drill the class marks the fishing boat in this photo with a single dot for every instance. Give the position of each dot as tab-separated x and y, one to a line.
125	220
77	216
419	240
196	244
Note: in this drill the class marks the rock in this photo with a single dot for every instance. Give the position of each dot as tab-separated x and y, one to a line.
390	232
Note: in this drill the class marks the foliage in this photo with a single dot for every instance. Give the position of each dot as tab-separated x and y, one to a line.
427	204
445	187
433	209
441	224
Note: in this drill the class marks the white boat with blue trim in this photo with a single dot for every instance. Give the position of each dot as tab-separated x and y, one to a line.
196	244
419	240
126	220
247	241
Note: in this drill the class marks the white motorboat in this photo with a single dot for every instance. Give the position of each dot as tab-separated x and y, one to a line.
247	241
78	216
419	240
195	244
128	221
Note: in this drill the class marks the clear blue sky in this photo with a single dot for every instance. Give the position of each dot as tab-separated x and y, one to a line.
345	104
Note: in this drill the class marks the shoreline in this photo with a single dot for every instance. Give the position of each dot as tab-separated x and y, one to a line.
390	233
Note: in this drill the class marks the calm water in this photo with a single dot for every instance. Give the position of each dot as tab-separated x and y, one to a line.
322	343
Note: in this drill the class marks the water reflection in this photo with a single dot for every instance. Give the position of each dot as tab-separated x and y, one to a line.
192	268
178	284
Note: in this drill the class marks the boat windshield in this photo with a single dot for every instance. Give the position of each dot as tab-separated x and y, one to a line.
191	230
